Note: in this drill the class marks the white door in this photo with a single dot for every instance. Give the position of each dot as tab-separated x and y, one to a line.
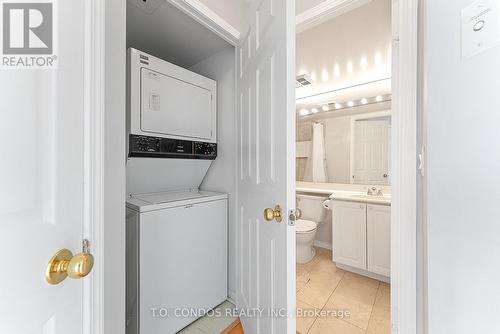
266	174
349	233
378	228
42	175
371	146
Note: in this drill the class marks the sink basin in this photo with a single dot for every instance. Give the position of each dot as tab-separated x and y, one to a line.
371	197
361	197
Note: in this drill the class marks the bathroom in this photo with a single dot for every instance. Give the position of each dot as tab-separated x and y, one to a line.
343	170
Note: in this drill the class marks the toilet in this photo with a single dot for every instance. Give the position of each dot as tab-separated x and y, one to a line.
313	213
305	232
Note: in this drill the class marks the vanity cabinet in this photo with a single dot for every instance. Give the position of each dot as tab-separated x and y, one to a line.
349	233
362	237
378	239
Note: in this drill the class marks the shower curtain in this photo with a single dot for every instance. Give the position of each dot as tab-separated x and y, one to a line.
317	161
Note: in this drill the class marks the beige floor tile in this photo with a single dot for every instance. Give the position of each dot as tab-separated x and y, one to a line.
359	311
358	288
380	320
320	284
309	265
324	280
323	252
302	279
326	265
300	267
334	326
383	296
314	296
362	279
211	325
305	317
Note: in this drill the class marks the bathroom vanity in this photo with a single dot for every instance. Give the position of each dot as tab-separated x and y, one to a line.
361	234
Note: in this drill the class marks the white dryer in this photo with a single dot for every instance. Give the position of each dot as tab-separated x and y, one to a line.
176	258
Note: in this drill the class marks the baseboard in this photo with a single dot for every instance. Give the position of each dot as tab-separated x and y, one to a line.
364	273
323	244
231	296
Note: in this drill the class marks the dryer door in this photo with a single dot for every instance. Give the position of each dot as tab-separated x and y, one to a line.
173	107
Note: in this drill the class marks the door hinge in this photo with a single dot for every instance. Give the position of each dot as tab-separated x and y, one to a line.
421	161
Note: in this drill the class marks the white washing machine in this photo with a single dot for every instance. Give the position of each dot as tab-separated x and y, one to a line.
176	258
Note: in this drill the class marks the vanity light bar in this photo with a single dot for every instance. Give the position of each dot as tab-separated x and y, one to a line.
333	106
361	102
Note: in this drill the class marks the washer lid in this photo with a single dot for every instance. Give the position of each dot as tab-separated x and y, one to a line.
305	226
158	201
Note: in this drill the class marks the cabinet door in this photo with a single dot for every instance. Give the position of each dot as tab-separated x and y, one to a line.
349	234
379	239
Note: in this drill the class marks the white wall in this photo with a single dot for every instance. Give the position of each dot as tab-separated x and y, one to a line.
463	180
233	12
222	174
361	37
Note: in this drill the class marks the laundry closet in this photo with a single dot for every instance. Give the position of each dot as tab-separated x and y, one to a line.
181	167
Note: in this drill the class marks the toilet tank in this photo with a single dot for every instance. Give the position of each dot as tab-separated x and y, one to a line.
312	207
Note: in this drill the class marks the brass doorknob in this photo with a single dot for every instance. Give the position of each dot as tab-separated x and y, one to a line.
270	214
298	213
64	264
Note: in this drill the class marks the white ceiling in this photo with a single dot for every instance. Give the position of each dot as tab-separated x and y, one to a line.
169	34
233	12
348	50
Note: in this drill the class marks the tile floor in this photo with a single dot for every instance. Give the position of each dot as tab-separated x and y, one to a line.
323	286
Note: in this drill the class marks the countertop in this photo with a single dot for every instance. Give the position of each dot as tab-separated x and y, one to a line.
345	192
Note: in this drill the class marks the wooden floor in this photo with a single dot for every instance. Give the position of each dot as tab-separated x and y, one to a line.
235	328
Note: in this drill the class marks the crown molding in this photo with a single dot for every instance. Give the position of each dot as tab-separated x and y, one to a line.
324	11
207	17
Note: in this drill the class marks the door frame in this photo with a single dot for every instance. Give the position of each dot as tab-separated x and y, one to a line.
104	178
353	120
93	162
405	84
105	144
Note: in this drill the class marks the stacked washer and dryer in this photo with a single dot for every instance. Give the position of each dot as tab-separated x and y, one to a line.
176	234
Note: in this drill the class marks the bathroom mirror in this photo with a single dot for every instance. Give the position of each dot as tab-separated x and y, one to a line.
351	148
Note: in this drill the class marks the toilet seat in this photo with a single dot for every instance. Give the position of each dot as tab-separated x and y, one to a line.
304	226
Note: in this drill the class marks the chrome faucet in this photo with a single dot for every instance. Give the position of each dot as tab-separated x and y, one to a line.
373	191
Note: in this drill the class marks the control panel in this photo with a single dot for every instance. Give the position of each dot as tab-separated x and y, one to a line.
155	147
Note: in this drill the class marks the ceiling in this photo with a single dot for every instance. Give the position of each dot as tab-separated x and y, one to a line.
158	28
346	51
